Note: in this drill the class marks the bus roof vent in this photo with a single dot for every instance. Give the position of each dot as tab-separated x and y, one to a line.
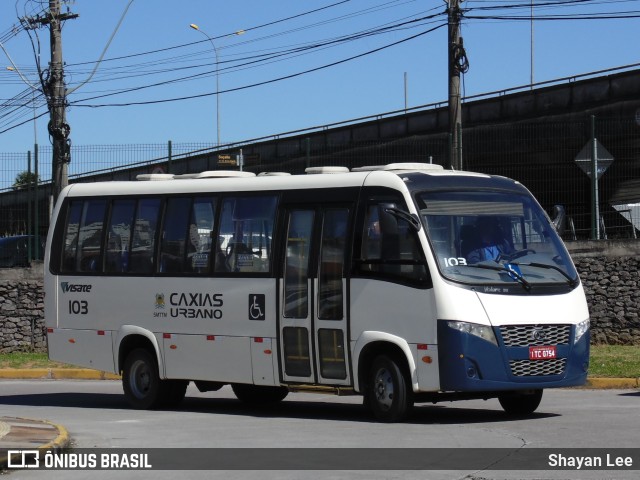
367	168
216	174
319	170
408	166
273	174
147	177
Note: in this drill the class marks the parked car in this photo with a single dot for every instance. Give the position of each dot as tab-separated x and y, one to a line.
14	251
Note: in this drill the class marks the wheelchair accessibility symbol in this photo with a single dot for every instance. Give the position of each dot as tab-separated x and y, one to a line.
257	306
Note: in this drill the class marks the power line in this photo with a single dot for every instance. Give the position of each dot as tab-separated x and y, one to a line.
174	47
264	59
253	85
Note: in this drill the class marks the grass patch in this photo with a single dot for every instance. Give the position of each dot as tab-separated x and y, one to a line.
614	361
621	361
29	360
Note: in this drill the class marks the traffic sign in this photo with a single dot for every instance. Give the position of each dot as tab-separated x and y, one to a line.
584	159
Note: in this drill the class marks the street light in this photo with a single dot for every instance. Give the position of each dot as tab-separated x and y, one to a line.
195	27
215	49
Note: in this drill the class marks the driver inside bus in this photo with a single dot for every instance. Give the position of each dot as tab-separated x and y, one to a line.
491	241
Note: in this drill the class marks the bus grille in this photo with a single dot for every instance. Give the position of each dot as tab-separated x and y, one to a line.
535	368
525	335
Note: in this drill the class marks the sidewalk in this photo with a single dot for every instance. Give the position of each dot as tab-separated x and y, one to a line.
56	374
29	434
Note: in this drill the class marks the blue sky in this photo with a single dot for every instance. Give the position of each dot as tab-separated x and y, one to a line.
499	52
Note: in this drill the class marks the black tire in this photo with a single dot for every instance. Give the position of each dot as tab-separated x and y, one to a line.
520	403
141	382
388	392
259	395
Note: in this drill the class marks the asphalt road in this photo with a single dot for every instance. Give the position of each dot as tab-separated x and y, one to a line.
97	416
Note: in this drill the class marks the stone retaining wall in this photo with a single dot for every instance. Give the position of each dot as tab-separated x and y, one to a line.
22	326
610	273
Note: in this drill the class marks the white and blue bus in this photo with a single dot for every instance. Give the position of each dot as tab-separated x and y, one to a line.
382	282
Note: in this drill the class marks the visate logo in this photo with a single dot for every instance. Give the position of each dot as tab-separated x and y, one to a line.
75	287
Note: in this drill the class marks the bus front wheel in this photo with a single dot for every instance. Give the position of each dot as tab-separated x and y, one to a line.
520	403
141	382
389	394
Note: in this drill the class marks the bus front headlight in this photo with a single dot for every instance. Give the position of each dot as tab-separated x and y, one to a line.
581	329
483	331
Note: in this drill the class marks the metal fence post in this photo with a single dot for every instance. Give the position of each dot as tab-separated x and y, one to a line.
169	154
460	164
36	226
29	239
595	208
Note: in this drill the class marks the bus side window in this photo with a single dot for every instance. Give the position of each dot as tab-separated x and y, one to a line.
246	229
390	247
200	238
90	236
174	235
72	228
144	234
119	236
371	246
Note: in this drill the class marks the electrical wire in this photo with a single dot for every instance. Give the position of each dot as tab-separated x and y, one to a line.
257	84
480	11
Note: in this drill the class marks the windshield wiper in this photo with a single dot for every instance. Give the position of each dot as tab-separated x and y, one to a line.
503	268
571	281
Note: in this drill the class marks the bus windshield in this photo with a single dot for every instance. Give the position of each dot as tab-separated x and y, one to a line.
494	238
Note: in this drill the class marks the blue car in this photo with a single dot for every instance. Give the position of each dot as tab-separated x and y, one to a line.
14	251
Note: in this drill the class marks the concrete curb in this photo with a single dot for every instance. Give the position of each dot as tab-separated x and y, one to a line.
605	383
61	442
56	374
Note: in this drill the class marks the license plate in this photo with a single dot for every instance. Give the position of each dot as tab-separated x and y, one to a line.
542	353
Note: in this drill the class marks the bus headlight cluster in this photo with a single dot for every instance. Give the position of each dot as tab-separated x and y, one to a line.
581	329
483	331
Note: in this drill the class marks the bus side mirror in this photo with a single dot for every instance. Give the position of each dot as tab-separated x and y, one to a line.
390	213
559	219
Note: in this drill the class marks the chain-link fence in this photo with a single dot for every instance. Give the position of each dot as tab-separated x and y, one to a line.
541	155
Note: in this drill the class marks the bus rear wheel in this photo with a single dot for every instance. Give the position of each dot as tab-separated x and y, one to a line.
257	394
389	394
520	403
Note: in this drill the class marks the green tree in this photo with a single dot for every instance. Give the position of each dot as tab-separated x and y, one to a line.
25	178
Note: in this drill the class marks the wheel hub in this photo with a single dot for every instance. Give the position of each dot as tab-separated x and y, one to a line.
384	389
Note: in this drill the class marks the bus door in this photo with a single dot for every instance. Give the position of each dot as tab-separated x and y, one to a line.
313	343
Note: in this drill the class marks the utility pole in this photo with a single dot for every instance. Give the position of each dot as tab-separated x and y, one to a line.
458	64
56	93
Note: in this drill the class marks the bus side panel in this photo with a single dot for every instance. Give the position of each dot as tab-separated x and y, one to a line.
426	360
86	348
400	311
208	357
262	360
